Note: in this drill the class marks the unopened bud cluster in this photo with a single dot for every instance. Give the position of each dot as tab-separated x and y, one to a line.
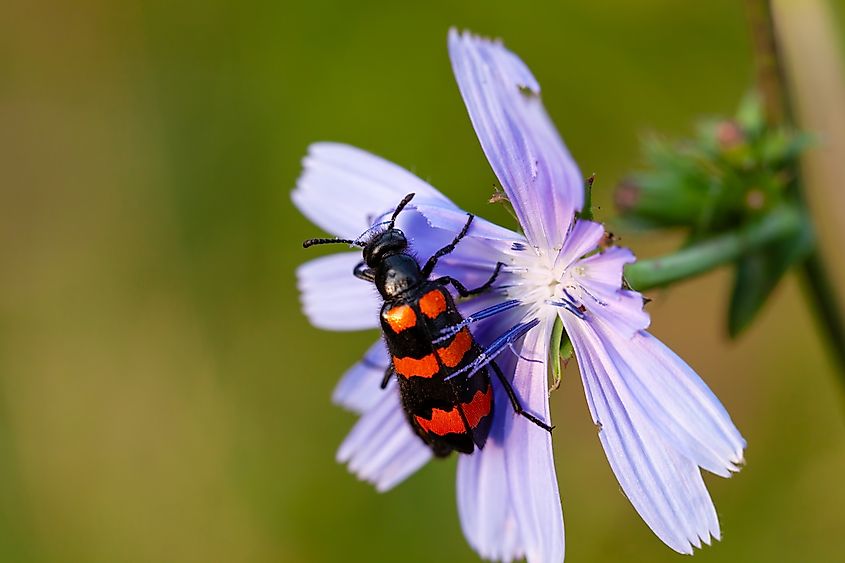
732	171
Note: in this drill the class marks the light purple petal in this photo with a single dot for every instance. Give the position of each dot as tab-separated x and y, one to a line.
621	308
360	387
528	455
605	268
332	298
584	238
473	265
528	156
343	189
381	448
663	484
680	405
423	240
600	276
452	219
485	502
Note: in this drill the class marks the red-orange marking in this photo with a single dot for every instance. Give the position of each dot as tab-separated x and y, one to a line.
443	422
432	304
401	318
479	406
454	352
411	367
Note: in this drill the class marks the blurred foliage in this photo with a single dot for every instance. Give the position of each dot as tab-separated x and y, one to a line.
733	173
162	398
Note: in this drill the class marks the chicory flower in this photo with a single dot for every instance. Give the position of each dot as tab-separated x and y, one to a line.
658	422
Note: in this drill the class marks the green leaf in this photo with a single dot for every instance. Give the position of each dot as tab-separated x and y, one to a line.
758	274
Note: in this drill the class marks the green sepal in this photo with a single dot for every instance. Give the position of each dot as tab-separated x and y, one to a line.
554	354
499	196
567	352
758	274
560	352
586	212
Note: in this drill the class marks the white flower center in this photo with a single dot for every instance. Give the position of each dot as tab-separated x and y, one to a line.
534	281
543	289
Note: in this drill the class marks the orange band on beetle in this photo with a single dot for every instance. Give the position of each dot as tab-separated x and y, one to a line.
432	304
479	406
412	367
401	318
452	354
443	422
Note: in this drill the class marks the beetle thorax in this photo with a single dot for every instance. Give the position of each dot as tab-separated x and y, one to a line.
396	274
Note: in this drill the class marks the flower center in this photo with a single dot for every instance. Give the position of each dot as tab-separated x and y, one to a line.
532	280
542	288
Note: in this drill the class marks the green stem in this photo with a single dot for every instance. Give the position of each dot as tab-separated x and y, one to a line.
772	82
821	294
783	222
767	62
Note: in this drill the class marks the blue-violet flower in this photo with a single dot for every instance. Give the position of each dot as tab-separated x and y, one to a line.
658	422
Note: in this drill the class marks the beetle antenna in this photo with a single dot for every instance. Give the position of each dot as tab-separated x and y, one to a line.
316	241
399	208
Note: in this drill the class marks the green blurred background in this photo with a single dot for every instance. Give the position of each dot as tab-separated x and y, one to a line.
162	398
